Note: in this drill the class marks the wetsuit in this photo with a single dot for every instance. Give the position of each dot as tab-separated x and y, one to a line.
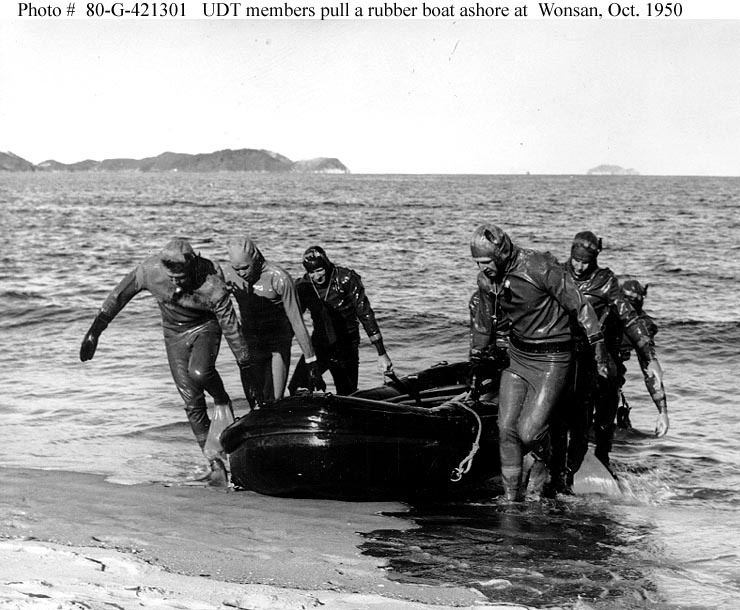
593	400
337	309
537	297
627	346
270	316
625	352
193	321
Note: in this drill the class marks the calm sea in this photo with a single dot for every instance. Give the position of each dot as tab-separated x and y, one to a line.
671	542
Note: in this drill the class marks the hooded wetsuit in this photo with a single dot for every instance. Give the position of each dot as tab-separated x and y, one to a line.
192	320
635	294
537	297
270	315
591	399
337	309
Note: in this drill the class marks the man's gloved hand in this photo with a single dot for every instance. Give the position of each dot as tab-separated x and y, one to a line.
500	358
88	347
315	381
252	389
477	358
661	424
494	358
90	342
384	364
605	366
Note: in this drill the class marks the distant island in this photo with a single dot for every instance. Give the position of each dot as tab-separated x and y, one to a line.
611	170
243	160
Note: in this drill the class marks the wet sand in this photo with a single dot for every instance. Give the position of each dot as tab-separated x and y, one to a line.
70	540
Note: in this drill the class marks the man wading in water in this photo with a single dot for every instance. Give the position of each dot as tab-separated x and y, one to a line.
336	298
195	307
537	297
270	316
592	401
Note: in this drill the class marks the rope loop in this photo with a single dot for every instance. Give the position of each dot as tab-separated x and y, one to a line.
467	462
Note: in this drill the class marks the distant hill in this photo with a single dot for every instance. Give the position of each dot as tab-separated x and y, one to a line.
321	165
13	163
243	160
611	170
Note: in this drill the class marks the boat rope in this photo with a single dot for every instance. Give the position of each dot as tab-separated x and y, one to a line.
464	466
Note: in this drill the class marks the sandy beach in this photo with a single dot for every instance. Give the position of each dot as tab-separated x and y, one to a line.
70	540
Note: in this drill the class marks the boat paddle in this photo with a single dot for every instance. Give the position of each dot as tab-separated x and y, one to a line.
391	374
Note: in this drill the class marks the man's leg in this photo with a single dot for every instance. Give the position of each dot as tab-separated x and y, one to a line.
512	394
279	368
178	349
605	414
204	350
533	427
581	416
344	365
204	347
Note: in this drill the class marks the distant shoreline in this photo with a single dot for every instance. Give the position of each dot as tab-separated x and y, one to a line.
245	159
631	177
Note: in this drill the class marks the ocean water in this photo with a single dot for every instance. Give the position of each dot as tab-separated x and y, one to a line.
670	542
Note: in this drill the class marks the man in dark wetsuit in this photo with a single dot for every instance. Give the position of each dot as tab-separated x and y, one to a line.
196	309
336	300
537	297
635	294
270	315
592	400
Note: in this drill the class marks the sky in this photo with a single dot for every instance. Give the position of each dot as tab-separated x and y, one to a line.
544	96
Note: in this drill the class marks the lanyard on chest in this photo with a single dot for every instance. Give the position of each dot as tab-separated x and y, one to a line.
328	287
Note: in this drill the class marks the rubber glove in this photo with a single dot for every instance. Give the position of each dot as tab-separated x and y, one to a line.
476	357
654	382
90	342
252	390
384	364
661	424
315	381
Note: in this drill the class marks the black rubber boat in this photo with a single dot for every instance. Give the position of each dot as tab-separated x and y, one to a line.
418	435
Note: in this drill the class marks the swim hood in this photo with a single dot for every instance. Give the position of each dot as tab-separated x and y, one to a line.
490	241
243	252
586	247
634	291
315	258
177	255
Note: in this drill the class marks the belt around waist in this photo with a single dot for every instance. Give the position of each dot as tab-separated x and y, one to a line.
545	347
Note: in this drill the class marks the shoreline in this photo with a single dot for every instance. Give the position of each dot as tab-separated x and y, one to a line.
68	539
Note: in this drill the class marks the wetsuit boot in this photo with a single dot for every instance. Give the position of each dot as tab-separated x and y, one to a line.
512	483
559	483
537	476
217	476
603	440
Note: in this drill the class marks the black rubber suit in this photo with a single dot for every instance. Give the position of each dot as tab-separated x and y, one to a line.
537	297
635	293
592	400
269	314
195	312
337	309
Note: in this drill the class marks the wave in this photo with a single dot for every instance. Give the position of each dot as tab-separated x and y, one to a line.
703	324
